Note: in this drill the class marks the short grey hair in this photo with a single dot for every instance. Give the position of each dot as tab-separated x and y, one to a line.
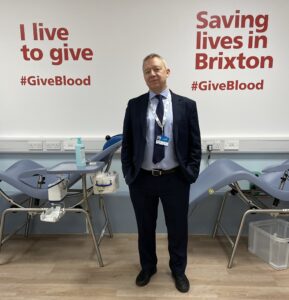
153	55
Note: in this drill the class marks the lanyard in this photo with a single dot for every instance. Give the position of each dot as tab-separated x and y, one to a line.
166	108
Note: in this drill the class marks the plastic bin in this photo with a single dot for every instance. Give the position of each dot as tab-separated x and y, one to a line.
269	239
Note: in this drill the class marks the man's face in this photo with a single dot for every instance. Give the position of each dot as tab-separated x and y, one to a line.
155	74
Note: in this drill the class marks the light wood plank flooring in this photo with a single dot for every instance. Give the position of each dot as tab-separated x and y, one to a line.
65	267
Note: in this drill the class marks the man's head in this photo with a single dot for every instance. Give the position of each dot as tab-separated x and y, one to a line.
156	72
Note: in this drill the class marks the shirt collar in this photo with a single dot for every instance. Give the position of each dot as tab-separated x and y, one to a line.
164	93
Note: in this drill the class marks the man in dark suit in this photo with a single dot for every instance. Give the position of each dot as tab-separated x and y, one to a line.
161	153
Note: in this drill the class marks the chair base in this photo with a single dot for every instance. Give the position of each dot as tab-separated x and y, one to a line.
32	211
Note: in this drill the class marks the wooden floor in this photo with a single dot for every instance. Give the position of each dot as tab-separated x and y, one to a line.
48	268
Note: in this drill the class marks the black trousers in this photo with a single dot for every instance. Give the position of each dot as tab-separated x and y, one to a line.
173	191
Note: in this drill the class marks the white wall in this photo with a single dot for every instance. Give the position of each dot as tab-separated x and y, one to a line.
120	34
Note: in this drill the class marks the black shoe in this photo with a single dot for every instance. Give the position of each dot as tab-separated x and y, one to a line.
182	283
143	278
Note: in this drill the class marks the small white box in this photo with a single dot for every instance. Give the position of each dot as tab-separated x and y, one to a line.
104	183
269	239
57	190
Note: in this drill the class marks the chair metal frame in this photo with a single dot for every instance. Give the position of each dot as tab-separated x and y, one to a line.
254	207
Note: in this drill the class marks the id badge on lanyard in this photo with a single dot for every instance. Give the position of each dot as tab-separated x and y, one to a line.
161	139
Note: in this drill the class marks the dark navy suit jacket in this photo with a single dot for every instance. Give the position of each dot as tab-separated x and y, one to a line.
186	134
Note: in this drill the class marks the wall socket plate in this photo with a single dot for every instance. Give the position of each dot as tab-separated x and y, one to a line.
231	145
217	145
69	144
53	145
35	145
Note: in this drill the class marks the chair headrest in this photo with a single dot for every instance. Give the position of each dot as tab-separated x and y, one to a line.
111	140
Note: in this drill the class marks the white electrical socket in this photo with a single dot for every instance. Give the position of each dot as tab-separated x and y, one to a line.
68	144
231	145
35	145
217	145
53	145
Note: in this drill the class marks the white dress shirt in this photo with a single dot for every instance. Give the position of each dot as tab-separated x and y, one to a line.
169	161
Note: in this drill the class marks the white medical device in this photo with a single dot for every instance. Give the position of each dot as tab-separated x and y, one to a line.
57	190
105	182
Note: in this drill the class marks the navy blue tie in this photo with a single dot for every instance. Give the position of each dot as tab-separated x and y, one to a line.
159	150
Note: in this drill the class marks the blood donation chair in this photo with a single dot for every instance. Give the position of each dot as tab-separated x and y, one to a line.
268	190
33	184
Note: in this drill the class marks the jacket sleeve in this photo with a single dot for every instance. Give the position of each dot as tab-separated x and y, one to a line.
127	146
195	148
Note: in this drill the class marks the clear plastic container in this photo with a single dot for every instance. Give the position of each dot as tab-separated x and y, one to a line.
269	240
